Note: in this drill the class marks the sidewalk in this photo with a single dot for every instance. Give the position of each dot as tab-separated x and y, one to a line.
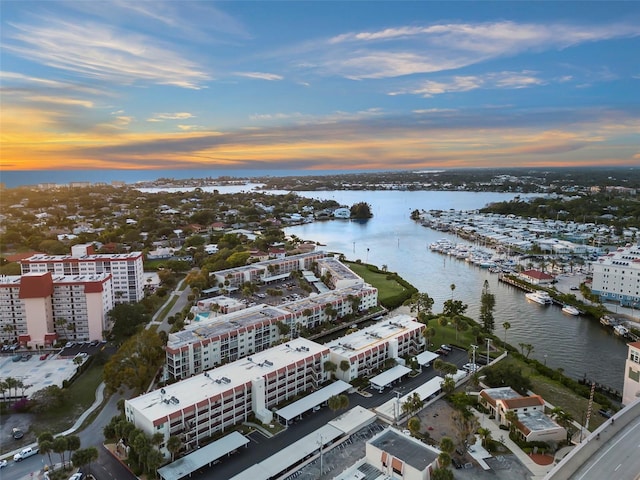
538	471
76	426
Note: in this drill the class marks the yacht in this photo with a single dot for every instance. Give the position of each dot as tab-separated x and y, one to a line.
621	330
570	310
539	296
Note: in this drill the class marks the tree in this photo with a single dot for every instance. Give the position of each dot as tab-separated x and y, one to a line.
59	446
361	210
174	445
447	445
337	402
420	302
428	333
127	319
73	443
504	374
329	366
442	473
444	460
136	363
452	287
448	385
485	435
48	398
345	365
84	456
451	308
506	326
45	445
487	306
412	404
465	425
414	426
512	418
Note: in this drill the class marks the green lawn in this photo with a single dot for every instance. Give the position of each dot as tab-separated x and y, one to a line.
81	395
386	288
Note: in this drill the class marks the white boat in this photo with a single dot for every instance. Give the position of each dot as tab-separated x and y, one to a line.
570	310
621	330
543	298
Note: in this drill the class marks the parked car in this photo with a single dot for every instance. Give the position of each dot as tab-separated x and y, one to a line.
25	453
44	356
470	367
3	463
446	348
77	476
605	413
16	433
456	463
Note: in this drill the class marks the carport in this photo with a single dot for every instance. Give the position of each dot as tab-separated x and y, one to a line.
205	456
426	357
387	378
307	403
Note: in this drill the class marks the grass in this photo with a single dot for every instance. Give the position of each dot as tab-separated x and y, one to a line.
167	308
386	288
81	395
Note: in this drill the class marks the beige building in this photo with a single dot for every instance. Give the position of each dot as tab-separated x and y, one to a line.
616	276
631	391
36	309
532	424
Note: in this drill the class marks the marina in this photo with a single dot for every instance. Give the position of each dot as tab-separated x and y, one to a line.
391	239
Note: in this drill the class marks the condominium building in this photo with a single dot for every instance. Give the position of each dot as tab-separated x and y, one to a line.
631	391
269	270
214	401
214	339
366	350
616	276
337	274
126	269
36	309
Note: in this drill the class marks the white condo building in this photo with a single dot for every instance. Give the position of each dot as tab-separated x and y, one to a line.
36	309
200	406
367	350
616	276
631	391
126	269
216	339
269	270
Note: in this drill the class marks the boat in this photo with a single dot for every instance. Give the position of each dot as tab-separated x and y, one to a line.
607	320
539	296
621	330
570	310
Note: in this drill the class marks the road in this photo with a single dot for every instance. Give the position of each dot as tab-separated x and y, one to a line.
261	447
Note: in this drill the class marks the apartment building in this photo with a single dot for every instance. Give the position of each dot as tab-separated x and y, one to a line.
36	309
337	274
367	350
217	339
616	276
126	269
631	391
214	401
269	270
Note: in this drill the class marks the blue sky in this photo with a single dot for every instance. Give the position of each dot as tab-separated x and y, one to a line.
319	85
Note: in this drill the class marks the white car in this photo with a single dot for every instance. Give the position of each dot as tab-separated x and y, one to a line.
76	476
470	367
3	463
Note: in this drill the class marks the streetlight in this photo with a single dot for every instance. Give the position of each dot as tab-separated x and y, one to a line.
488	344
474	347
545	359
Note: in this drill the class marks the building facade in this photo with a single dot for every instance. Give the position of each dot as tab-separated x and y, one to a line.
214	401
36	309
631	391
126	269
217	339
616	276
367	350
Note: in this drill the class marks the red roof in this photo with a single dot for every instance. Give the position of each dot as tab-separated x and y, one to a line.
537	274
531	401
36	285
16	257
635	345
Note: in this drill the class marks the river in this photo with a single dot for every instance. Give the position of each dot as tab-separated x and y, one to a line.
580	346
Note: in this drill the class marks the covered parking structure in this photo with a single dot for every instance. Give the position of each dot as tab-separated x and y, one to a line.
387	378
291	456
426	358
307	403
392	410
205	456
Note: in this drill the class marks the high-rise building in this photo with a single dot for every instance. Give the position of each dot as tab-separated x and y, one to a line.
126	269
631	391
36	309
616	276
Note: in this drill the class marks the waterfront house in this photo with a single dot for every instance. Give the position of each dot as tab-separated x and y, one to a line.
537	277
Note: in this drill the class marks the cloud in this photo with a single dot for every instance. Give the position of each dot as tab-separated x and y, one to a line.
509	80
160	117
99	52
407	50
259	75
61	101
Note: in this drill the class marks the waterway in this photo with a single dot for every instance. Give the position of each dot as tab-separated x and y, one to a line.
580	346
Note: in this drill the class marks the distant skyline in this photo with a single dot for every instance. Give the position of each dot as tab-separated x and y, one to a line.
318	85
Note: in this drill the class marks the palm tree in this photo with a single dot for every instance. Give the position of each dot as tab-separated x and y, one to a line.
447	445
452	287
174	444
414	426
428	333
506	326
485	435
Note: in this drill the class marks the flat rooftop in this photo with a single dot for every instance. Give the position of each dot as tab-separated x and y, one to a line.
536	421
338	269
158	403
410	451
502	393
374	334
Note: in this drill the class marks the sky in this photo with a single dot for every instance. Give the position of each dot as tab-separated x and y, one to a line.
349	85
